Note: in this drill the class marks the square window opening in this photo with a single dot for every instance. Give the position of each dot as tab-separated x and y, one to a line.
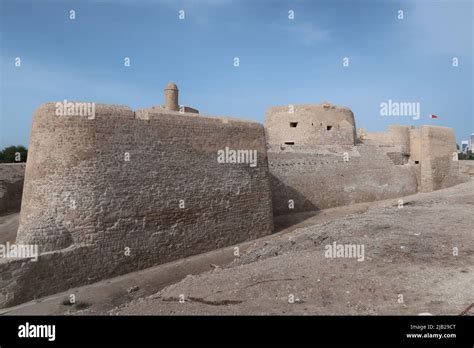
293	124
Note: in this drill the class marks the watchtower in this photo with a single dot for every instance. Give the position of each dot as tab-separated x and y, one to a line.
171	97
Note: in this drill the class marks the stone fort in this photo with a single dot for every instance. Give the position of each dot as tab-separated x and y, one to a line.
318	159
126	190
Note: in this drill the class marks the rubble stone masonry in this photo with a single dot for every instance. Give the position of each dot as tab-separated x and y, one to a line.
124	191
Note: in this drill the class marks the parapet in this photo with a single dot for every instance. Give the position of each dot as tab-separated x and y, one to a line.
159	112
82	109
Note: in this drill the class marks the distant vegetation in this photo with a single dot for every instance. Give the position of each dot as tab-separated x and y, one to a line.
13	154
466	156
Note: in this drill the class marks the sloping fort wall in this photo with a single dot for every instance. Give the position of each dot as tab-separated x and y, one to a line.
335	177
119	193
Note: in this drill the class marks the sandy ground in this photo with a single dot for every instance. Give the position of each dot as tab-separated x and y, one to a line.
409	267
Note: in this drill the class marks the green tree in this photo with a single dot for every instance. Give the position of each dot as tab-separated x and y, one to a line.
13	154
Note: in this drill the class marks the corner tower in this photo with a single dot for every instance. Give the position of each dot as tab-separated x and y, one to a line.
310	125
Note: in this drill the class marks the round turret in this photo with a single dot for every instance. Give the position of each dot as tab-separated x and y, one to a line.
171	97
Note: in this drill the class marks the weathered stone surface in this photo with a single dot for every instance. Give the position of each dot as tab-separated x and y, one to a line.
11	186
439	164
96	214
310	125
128	190
466	168
323	179
171	97
316	161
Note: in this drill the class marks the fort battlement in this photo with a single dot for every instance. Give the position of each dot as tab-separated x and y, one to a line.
159	112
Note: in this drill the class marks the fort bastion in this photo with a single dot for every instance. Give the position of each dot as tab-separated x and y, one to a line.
310	125
128	190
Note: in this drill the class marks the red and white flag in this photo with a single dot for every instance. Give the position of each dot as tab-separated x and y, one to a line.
433	116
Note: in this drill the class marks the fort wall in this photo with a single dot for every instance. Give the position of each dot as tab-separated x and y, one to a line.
439	164
123	190
319	169
11	186
324	179
396	135
310	125
377	138
400	136
119	193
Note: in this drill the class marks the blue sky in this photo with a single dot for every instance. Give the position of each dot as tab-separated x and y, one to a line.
282	61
